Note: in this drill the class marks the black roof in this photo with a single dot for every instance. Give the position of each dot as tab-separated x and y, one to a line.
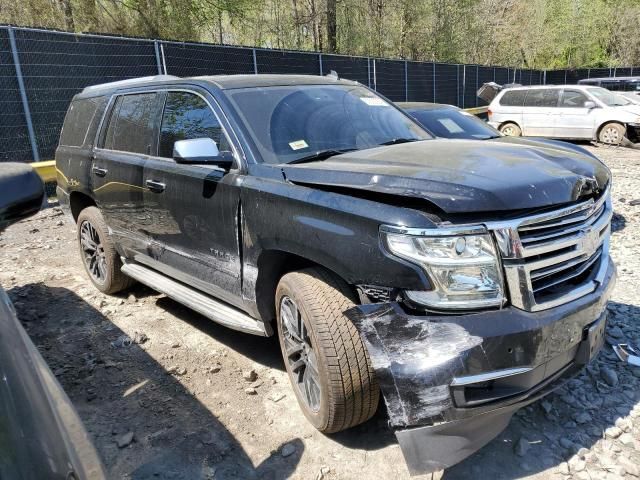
224	82
270	80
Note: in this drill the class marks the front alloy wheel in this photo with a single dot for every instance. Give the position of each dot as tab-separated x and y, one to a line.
612	134
299	354
327	363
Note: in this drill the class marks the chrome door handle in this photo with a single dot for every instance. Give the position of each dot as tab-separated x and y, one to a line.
100	172
156	187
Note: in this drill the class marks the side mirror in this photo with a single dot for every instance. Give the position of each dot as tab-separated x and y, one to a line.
200	150
589	104
21	193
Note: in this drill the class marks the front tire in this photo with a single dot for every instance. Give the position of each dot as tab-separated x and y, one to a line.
99	257
328	365
611	133
511	130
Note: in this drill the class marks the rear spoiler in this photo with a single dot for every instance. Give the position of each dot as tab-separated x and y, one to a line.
489	90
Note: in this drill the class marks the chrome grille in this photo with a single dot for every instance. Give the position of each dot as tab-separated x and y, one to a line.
553	258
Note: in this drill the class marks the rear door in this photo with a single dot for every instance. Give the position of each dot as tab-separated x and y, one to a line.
195	208
574	120
124	145
539	112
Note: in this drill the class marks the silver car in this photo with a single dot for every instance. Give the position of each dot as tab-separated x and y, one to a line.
628	87
566	111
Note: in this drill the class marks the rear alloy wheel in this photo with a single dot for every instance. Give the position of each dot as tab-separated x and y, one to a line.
511	130
327	362
611	134
99	256
93	253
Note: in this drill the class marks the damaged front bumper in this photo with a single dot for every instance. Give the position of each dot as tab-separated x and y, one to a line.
452	383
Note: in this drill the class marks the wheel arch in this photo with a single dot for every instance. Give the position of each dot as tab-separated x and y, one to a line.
78	201
272	265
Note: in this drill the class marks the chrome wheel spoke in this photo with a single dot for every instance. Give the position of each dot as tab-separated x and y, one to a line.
93	252
299	354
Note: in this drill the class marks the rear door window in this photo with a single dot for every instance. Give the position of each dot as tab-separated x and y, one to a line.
542	97
573	99
187	116
514	98
131	125
80	117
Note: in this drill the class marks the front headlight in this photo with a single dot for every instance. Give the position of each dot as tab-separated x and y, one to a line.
464	269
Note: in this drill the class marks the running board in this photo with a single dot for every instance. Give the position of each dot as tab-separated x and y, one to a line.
209	307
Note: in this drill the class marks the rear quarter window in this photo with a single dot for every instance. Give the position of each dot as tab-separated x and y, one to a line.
130	127
81	121
514	98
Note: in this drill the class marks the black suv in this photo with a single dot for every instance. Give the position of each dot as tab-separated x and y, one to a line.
462	279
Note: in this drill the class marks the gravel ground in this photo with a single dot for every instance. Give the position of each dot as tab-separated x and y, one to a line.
165	393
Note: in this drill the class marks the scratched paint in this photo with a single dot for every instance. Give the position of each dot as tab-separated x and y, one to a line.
415	360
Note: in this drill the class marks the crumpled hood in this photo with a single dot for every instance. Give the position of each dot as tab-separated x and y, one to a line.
462	176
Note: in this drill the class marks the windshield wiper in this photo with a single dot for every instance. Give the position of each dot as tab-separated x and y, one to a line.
321	155
396	141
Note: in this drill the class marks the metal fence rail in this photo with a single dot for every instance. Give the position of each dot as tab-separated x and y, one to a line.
41	70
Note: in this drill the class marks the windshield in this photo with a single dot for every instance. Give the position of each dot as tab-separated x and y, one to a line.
453	123
610	99
289	123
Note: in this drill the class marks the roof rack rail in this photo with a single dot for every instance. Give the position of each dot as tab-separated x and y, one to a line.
129	82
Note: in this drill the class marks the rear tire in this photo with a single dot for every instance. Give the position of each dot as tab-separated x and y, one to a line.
511	130
312	327
99	257
611	133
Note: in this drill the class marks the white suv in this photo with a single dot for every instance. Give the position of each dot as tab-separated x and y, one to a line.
567	111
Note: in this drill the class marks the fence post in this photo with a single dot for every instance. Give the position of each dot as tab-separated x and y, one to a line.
369	71
434	82
23	96
255	62
375	76
406	83
544	77
320	64
464	83
164	60
475	92
565	76
158	61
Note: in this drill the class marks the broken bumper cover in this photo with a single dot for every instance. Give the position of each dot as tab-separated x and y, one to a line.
452	383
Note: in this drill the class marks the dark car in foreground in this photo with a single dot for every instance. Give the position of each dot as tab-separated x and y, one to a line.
463	279
41	435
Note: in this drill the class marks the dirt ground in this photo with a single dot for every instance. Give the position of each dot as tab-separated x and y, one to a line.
163	393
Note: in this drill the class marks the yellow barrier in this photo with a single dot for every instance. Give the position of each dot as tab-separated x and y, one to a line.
46	170
477	110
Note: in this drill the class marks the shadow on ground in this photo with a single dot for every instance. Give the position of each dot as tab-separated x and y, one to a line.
122	390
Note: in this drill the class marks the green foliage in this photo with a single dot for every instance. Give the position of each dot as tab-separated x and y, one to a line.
520	33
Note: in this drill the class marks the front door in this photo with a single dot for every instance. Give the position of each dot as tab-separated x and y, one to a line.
574	120
538	114
194	208
117	168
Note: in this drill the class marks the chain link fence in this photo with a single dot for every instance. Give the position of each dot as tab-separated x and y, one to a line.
41	70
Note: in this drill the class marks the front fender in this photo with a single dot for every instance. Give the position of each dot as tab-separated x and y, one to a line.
336	231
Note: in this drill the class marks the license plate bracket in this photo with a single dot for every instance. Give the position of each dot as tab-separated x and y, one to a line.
593	341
